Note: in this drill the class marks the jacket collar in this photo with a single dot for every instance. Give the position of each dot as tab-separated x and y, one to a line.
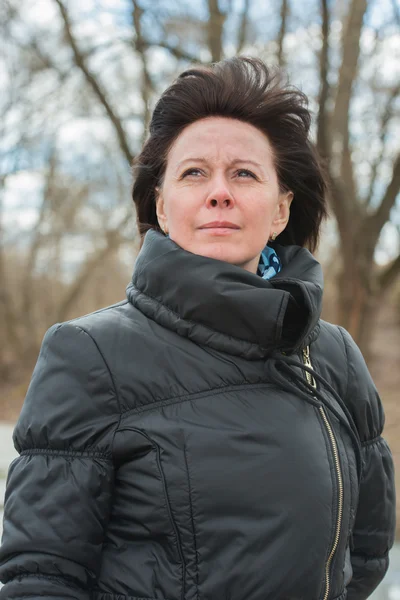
225	307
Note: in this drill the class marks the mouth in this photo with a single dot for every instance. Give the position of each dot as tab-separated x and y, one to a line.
220	225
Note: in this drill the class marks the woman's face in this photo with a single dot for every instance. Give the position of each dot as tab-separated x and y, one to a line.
220	195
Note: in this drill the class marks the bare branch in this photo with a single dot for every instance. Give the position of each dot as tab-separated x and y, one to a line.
215	30
381	215
348	67
147	85
114	239
396	12
338	193
282	32
45	60
176	52
8	313
27	307
386	116
390	274
95	84
323	144
347	76
337	197
347	174
106	46
243	27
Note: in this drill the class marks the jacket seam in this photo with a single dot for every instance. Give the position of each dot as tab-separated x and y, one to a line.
194	396
192	521
110	596
373	440
105	363
170	512
115	433
67	453
347	363
26	574
353	501
168	504
366	556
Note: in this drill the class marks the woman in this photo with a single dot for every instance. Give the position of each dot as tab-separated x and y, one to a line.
209	437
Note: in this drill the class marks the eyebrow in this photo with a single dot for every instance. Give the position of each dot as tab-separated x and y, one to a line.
204	160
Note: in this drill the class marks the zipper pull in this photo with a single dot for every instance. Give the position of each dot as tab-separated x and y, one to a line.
307	363
306	356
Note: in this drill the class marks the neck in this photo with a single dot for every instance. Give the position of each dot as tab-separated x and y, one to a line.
251	265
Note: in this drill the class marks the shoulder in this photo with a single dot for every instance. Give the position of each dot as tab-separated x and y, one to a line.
330	355
332	334
81	341
116	323
346	369
103	320
72	383
120	343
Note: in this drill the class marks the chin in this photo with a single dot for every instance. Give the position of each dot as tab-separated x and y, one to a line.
223	253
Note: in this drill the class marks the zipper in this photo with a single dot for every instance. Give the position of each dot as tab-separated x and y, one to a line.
328	427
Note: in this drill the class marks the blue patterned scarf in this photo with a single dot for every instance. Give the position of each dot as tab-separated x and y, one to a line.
269	264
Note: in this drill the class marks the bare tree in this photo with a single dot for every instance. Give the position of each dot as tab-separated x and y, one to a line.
77	64
140	46
215	30
244	23
360	222
93	81
8	314
282	31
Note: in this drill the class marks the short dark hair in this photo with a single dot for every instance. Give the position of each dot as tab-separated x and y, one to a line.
245	89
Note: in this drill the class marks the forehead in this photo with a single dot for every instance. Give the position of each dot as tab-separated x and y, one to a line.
215	135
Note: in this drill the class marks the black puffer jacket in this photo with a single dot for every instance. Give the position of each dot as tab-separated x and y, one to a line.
174	447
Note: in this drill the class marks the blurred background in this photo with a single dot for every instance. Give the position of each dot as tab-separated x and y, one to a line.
79	80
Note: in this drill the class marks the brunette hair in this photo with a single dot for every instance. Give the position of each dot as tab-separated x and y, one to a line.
244	89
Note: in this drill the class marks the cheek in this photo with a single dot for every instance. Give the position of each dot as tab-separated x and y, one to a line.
260	210
181	209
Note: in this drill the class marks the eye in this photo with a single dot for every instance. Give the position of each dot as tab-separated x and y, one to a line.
245	173
194	172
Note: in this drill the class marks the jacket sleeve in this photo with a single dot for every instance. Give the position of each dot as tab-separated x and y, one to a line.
59	489
374	526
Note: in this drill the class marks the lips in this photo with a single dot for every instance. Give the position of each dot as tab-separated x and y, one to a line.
220	225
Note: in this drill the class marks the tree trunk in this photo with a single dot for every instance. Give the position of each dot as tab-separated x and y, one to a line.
215	30
357	302
282	33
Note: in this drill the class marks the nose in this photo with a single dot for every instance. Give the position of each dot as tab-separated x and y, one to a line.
220	195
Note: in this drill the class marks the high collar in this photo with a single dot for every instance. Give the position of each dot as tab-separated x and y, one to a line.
224	306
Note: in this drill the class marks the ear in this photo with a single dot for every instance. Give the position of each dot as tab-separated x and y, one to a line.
160	210
282	212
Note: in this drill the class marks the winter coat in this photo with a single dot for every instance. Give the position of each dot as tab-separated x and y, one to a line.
209	438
